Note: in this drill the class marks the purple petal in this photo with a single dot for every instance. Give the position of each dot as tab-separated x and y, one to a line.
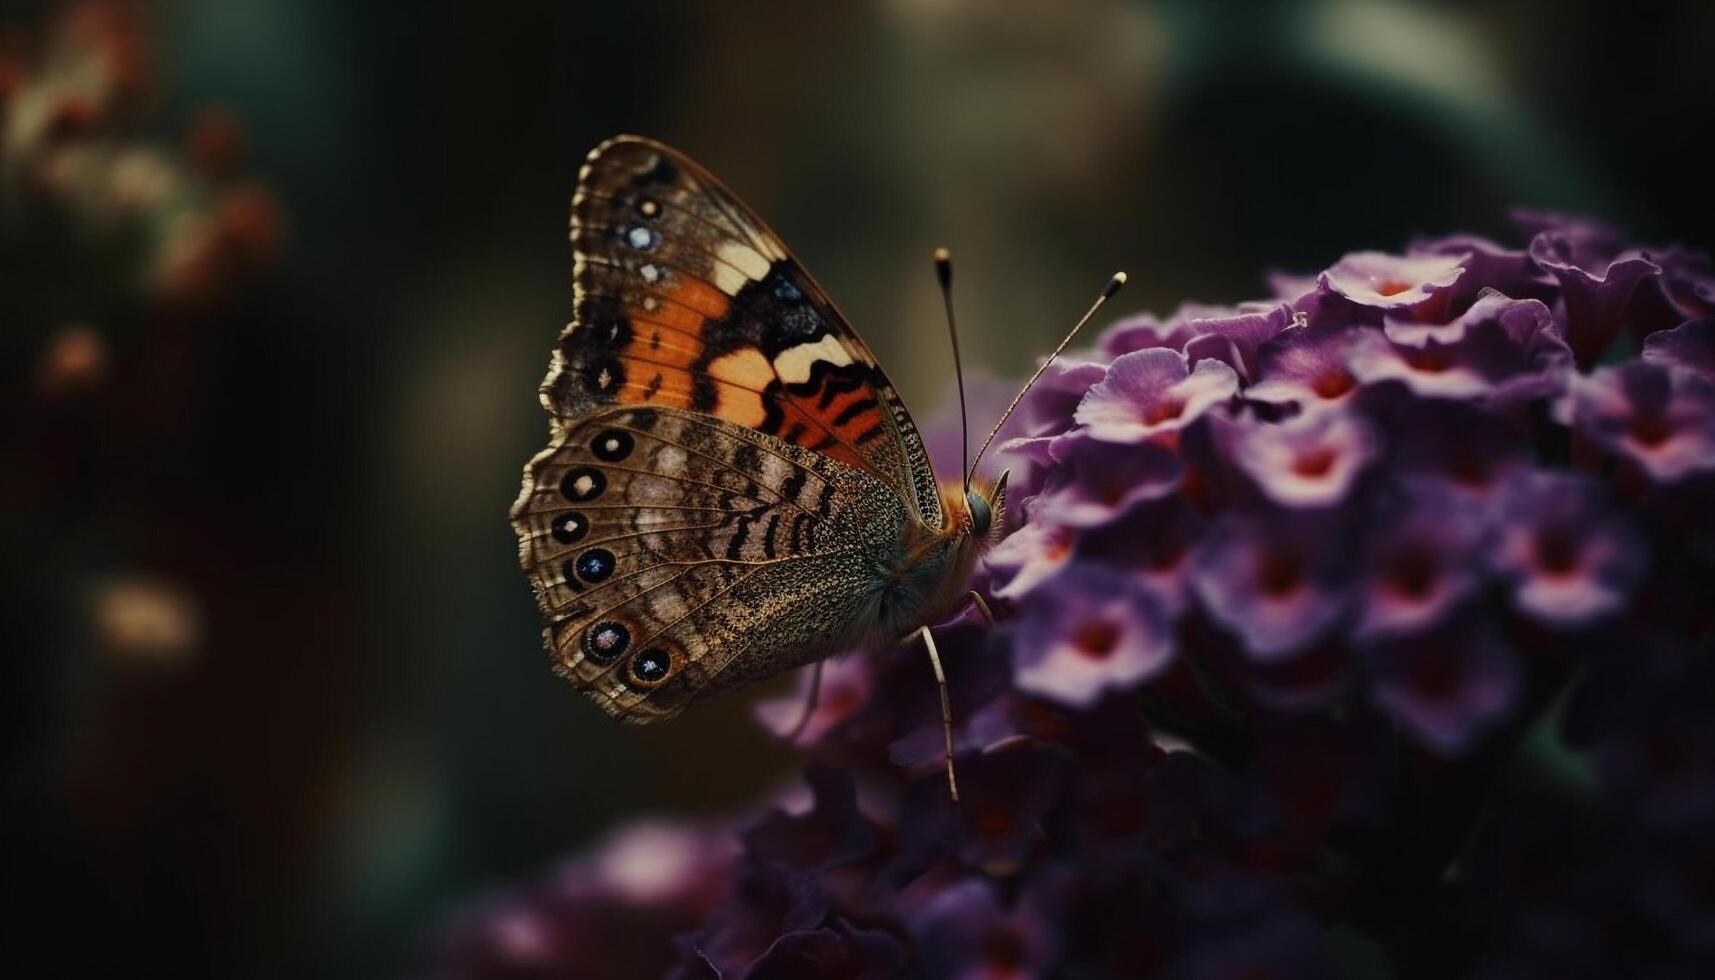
1095	483
1310	460
1662	418
1448	687
1306	365
1030	556
1595	291
1569	557
1280	583
1383	281
1086	631
1422	559
1690	345
1488	266
1148	393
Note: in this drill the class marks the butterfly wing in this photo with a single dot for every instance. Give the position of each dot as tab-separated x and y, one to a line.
685	299
675	555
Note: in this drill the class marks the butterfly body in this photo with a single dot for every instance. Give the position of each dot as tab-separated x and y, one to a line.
732	487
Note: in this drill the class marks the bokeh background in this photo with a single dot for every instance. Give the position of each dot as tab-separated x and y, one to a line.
278	279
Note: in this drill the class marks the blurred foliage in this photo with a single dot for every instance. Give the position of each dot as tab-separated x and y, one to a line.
285	460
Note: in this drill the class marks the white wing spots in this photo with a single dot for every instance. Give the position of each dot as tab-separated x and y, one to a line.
583	485
727	279
650	272
738	264
745	259
794	363
670	459
641	238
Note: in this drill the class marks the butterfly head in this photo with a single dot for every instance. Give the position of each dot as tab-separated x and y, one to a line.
985	511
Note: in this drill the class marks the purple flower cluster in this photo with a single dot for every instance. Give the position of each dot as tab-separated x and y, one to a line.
1363	630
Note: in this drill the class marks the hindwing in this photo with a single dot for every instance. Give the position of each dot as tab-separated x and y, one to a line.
675	555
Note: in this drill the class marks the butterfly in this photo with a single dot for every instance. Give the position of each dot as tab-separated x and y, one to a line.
732	487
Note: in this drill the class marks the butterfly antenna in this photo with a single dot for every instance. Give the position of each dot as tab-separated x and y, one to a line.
1108	292
944	275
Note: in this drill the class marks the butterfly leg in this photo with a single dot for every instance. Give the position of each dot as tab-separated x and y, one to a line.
946	709
982	607
809	705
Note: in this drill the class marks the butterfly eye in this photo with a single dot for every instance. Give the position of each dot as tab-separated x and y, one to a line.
612	446
594	565
980	513
583	483
604	642
651	667
570	527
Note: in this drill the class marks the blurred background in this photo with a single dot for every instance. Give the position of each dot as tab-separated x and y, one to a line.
278	279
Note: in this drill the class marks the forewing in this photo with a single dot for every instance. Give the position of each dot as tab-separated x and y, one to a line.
685	299
675	555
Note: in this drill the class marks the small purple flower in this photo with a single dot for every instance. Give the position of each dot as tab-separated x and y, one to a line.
1687	283
1309	460
1661	418
1390	282
1143	331
1005	790
1235	338
1691	345
1454	445
1278	581
1569	557
1422	560
831	832
1150	393
1448	686
1488	266
1596	288
1520	319
1152	544
846	683
964	933
1096	483
1030	556
1050	404
1306	365
1497	361
1088	630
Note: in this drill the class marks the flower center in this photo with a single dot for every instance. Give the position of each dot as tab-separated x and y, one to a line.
1163	556
1649	430
1469	469
1164	411
1332	384
1557	552
1429	360
1316	463
1412	574
1436	678
1096	639
1392	287
1277	575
